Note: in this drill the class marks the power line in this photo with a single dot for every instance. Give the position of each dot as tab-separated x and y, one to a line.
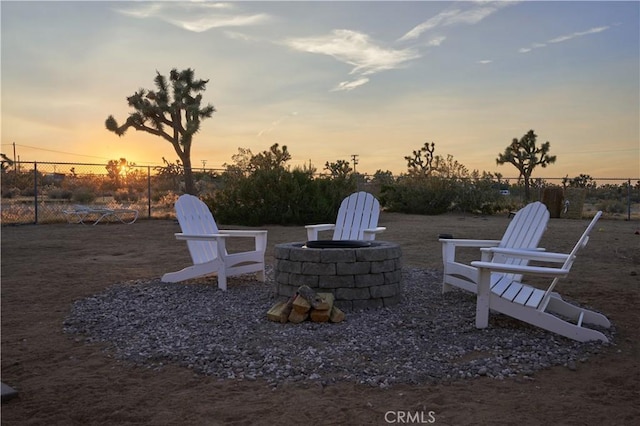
57	152
70	153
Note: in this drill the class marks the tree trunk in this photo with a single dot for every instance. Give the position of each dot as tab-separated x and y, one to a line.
189	185
527	189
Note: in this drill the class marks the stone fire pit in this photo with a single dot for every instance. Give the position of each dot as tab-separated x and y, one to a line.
359	277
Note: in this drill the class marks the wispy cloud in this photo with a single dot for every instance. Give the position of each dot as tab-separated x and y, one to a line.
194	16
477	13
436	41
563	38
356	49
350	85
276	123
235	35
431	23
578	34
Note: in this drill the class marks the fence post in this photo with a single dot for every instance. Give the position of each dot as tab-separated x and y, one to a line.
35	192
149	191
629	200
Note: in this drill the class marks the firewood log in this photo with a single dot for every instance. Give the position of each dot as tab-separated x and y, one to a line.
301	305
280	311
296	317
336	314
326	301
310	295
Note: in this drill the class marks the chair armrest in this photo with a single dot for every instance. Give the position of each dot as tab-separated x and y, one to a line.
260	237
370	234
533	254
322	227
312	230
521	269
449	246
469	243
243	232
376	230
200	237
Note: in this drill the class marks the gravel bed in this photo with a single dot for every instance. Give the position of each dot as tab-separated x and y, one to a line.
427	337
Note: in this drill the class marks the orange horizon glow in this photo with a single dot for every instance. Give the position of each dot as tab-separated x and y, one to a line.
329	82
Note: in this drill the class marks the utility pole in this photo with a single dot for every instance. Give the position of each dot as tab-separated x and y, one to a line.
354	157
204	163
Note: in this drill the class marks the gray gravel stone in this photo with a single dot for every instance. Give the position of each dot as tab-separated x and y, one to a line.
426	337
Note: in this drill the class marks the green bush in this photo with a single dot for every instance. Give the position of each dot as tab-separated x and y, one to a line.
83	195
126	195
477	196
278	197
612	206
60	194
420	195
10	192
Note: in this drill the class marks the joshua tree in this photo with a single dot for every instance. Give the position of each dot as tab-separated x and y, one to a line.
5	162
339	169
273	159
418	165
172	112
525	156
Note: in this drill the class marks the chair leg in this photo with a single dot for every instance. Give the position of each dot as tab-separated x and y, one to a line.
483	298
222	279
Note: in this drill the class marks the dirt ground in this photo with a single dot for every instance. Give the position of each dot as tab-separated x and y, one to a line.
62	381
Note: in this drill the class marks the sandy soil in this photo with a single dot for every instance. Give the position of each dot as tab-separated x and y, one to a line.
62	381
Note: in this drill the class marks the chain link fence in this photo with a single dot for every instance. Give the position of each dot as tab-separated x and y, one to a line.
41	192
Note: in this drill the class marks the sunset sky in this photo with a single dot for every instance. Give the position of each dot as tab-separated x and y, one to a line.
332	79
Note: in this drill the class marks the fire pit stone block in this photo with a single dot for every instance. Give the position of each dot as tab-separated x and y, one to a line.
359	278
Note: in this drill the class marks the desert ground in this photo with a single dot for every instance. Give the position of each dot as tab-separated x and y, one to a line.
63	381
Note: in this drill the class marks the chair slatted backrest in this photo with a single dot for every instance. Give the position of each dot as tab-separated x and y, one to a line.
527	227
195	218
524	232
357	212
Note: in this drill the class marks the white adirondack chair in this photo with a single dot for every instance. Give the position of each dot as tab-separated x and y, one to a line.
542	308
207	246
524	232
357	219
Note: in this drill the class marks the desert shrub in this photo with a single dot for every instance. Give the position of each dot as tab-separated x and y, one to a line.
612	206
23	181
28	192
10	192
507	204
477	196
83	195
277	196
163	197
419	195
126	195
60	194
